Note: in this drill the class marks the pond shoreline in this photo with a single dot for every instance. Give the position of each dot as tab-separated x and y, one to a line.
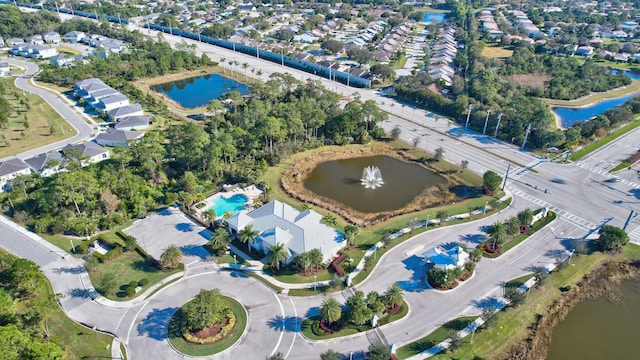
602	281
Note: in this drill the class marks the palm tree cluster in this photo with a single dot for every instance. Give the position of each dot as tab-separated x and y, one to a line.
503	232
360	309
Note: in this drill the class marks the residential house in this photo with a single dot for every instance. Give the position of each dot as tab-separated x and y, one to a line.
444	259
52	37
14	41
47	164
35	39
43	52
5	70
585	51
112	102
61	60
299	232
11	169
136	122
128	110
88	152
98	95
75	36
84	88
115	137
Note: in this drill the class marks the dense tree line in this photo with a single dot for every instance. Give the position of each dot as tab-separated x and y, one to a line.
570	79
23	312
183	162
18	24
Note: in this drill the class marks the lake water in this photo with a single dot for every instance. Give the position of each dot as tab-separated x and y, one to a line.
571	115
434	17
340	180
600	329
198	91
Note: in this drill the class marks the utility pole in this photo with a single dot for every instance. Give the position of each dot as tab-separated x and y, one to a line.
506	176
466	124
486	121
497	126
526	135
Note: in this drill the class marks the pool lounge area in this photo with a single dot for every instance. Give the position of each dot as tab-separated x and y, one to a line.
231	200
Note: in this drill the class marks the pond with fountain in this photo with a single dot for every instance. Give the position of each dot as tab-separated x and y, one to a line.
368	185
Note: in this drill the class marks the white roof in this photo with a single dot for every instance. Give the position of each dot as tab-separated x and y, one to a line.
446	259
300	232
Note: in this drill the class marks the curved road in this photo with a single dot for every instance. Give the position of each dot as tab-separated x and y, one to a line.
23	82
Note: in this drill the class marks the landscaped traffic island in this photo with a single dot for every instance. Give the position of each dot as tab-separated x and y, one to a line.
361	314
208	324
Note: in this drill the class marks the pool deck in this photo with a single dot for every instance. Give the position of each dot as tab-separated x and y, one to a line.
251	192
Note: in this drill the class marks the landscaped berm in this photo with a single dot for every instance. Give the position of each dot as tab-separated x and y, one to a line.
208	324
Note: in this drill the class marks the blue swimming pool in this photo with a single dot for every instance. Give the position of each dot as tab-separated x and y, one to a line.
234	204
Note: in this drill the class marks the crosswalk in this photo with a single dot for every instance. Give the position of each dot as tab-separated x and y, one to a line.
603	172
587	225
634	235
532	165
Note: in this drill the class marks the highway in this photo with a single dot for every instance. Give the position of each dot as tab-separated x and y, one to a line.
583	199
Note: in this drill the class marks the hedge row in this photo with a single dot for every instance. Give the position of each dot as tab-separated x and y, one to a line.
210	340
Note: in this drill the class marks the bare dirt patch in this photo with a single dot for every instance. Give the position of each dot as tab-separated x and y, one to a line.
531	80
211	331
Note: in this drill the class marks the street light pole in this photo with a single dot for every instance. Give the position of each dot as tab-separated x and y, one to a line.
486	121
235	261
497	126
466	124
73	248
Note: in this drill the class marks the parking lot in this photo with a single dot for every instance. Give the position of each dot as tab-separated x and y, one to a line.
171	227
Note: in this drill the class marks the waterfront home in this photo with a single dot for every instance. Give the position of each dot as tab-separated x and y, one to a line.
127	110
135	122
111	102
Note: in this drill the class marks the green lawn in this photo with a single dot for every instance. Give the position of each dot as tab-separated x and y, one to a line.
436	337
292	277
129	266
178	342
32	125
604	141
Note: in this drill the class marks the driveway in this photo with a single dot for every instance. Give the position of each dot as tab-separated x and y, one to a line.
171	227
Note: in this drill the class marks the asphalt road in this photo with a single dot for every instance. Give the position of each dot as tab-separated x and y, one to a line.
23	82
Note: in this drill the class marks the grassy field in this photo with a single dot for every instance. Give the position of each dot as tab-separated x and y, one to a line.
496	52
128	266
80	342
594	97
436	337
178	342
33	124
604	141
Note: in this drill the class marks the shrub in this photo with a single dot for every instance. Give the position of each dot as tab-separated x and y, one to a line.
133	284
83	247
143	282
131	290
108	256
231	318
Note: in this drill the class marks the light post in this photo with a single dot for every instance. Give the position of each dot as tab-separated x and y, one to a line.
495	133
484	211
486	121
466	124
235	261
73	248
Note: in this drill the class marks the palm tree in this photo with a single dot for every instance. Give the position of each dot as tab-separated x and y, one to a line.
351	233
247	234
525	216
330	310
222	62
497	233
220	238
513	226
245	66
393	295
278	254
171	256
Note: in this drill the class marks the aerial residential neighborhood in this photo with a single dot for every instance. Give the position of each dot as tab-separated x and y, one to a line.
319	179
